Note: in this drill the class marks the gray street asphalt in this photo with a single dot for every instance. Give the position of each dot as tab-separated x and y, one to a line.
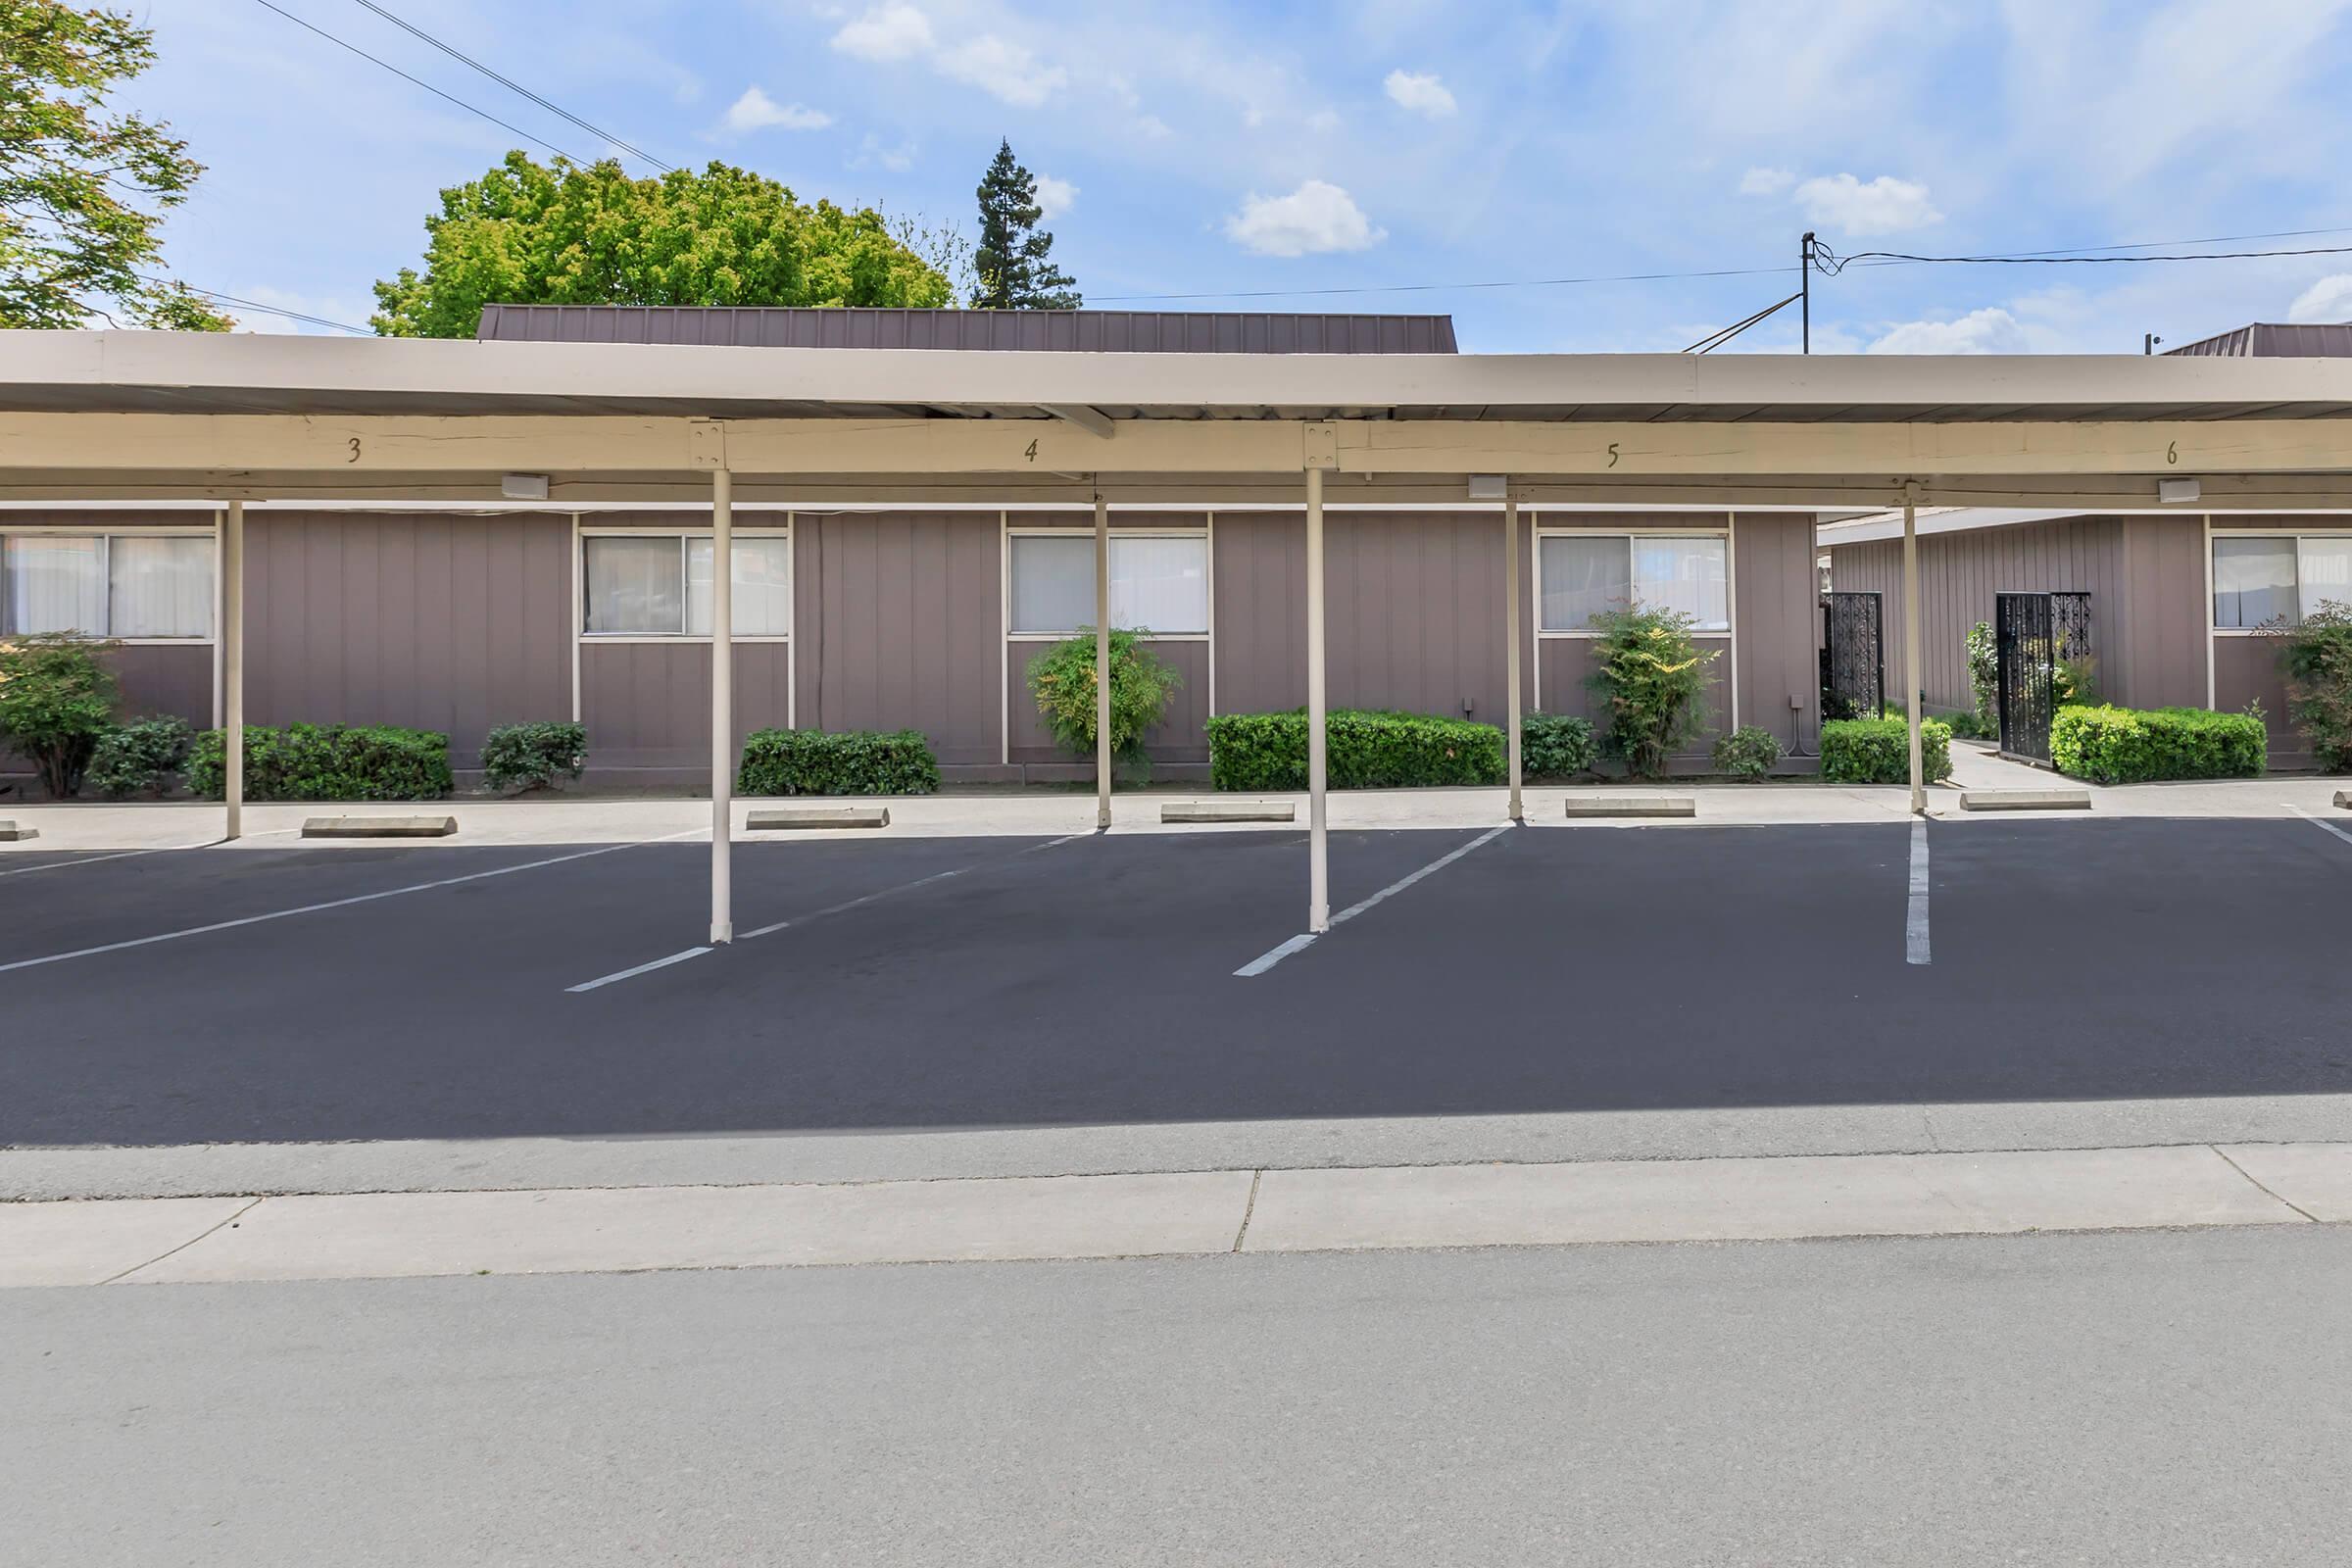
1092	982
2174	1397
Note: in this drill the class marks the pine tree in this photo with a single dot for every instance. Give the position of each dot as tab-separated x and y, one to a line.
1012	258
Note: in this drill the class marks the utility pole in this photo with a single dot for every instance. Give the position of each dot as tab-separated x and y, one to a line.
2148	342
1805	286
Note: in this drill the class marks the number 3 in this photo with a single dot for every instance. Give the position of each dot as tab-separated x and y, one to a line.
355	450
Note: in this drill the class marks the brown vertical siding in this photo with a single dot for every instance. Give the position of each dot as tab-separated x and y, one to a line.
1260	567
646	705
2245	670
1567	663
435	620
1776	619
899	618
166	678
1181	735
2154	644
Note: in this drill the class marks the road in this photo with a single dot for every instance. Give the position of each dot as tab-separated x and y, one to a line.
2181	1397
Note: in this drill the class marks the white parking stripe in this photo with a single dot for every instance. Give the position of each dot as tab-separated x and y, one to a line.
1915	924
1307	939
86	859
336	903
643	968
2324	827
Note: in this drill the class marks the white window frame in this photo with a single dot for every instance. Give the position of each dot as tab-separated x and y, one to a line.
106	537
589	530
1086	531
1535	597
2296	536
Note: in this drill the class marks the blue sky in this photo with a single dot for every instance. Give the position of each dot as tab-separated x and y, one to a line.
1219	147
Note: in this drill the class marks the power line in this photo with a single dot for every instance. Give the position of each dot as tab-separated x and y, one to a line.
426	85
1829	265
257	305
512	85
1715	340
1424	288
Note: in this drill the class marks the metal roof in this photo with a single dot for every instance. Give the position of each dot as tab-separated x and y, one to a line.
1020	331
202	373
2275	340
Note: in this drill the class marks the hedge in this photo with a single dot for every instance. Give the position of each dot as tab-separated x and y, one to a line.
525	756
2110	745
327	763
1366	749
1556	745
1878	750
850	762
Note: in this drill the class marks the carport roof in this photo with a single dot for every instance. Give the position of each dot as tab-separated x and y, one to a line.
151	372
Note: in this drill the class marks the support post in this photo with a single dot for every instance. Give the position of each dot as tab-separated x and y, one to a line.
233	669
1911	670
722	705
1510	658
1103	671
1318	844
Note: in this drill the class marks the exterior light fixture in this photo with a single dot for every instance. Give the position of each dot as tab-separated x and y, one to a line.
1490	487
522	486
2179	490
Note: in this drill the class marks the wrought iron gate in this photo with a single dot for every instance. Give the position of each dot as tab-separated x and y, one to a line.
1853	657
2024	645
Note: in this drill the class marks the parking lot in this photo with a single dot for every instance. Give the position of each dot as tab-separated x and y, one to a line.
290	993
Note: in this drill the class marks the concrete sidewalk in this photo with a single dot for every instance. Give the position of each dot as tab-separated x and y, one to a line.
1182	1213
89	828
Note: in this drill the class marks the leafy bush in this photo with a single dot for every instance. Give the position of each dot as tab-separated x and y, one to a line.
850	762
1878	750
1984	676
1652	680
326	762
141	755
528	757
1747	753
2075	681
1062	680
57	699
2126	746
1363	750
1555	745
2316	658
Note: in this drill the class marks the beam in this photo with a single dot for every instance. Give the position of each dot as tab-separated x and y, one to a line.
1102	669
1318	826
232	670
722	706
1094	421
352	448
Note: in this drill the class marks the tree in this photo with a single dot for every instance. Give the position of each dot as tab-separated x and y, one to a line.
74	235
1011	258
532	233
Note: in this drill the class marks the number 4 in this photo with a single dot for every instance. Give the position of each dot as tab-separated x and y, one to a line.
1030	452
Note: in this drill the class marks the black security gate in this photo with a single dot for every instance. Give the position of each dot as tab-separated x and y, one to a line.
1853	657
2043	645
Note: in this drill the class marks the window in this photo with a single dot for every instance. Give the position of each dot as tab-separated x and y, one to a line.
108	585
1581	574
2327	572
2253	581
659	585
1158	583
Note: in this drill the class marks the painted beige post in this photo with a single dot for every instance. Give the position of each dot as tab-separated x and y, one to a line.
1510	630
233	667
1911	671
1318	846
723	704
1101	664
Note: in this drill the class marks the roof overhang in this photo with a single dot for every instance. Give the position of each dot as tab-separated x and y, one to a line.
155	415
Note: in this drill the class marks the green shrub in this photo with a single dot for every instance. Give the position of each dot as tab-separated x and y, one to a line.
1878	750
2316	658
138	757
1651	679
327	763
850	762
1062	680
2126	746
57	700
1984	676
1747	753
528	757
1555	745
1363	750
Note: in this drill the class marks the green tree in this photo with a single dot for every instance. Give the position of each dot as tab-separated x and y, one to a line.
532	233
84	192
57	700
1012	261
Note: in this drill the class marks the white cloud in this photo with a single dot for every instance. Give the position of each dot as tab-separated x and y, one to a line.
1003	69
873	154
1316	217
1323	121
1765	182
1055	196
2327	300
886	32
1421	92
1884	205
1990	330
757	111
1153	127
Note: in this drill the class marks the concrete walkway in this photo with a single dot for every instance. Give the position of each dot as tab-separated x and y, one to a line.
1177	1213
77	829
